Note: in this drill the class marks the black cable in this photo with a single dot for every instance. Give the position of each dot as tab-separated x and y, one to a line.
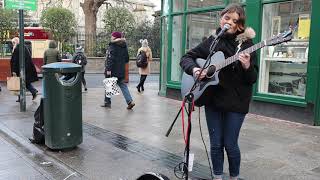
205	146
178	170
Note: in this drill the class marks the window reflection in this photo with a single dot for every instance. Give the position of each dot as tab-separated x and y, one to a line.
201	26
165	7
164	55
283	68
176	48
237	1
204	3
178	5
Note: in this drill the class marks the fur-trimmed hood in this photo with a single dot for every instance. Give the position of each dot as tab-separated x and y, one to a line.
248	33
119	41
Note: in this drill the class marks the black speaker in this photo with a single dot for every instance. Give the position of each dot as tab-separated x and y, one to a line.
153	176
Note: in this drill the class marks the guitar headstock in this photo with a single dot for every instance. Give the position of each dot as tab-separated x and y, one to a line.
280	38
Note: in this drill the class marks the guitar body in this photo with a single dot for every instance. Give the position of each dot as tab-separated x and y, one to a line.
188	80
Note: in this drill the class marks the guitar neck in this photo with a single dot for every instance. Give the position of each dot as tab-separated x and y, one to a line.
236	56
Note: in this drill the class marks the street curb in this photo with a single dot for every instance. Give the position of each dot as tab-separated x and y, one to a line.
34	156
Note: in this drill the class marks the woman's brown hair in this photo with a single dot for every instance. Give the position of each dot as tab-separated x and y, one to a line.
234	7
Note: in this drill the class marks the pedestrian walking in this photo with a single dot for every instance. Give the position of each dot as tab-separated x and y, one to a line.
31	73
52	54
81	59
227	103
116	58
144	71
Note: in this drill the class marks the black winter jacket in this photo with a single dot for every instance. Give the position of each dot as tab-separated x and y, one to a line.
116	58
234	91
31	73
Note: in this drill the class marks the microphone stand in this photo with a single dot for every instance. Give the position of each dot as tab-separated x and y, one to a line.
189	98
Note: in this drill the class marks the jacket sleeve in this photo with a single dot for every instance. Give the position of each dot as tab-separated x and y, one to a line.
74	58
45	59
15	61
59	59
251	74
187	61
109	58
150	55
126	56
85	61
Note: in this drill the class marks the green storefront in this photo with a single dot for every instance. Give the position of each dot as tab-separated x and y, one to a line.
288	73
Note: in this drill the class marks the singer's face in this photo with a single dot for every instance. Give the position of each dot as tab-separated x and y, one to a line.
232	20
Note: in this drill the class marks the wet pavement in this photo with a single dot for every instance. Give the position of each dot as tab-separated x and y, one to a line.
123	144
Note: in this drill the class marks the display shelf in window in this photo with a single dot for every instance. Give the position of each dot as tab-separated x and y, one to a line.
293	51
285	59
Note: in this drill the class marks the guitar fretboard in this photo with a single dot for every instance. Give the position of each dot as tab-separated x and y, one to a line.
236	56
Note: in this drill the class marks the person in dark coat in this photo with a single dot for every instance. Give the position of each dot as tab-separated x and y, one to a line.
116	58
80	59
30	70
227	103
52	54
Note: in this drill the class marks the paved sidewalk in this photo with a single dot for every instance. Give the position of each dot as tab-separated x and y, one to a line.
13	165
122	144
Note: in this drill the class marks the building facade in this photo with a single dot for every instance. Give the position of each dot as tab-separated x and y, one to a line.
288	72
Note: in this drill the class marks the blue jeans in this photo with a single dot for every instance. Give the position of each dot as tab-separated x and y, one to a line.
124	90
30	87
224	129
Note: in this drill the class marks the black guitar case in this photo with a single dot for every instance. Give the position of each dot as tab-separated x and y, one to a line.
153	176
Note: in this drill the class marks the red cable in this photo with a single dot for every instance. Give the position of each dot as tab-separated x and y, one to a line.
185	137
189	122
182	118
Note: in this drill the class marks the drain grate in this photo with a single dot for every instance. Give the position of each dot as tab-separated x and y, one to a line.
151	153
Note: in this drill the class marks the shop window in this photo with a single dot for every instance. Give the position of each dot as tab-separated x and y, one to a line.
178	5
237	1
165	8
201	26
176	48
6	49
204	3
283	68
164	54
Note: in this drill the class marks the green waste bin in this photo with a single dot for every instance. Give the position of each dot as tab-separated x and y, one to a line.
62	98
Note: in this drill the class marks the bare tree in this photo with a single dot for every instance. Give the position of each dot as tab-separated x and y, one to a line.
90	9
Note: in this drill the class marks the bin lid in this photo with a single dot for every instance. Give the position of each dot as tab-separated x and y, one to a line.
61	67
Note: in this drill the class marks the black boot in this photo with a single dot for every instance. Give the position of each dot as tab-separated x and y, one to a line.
138	88
18	99
34	95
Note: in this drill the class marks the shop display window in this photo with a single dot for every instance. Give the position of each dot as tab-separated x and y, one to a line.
204	3
178	5
176	48
165	7
283	68
201	26
237	1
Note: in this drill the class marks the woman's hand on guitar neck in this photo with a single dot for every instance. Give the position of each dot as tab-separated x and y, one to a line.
244	58
196	72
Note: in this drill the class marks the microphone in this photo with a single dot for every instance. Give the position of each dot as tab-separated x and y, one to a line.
223	30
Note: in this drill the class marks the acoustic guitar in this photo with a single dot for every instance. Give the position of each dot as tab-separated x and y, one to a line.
218	61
